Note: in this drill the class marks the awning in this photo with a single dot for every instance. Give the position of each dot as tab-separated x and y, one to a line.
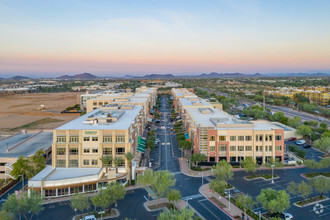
141	144
186	135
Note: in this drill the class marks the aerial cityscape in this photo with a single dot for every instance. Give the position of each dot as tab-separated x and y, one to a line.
184	110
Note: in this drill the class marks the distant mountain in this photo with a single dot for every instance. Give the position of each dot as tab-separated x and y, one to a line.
19	78
157	76
216	75
79	76
297	74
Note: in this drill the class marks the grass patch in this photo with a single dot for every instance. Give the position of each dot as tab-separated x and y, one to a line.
218	202
266	176
200	168
36	124
311	175
310	200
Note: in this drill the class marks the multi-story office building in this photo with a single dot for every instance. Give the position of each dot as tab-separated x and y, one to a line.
219	136
79	145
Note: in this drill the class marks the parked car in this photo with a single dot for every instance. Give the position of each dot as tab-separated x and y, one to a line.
89	217
157	121
287	216
306	146
162	127
300	142
292	139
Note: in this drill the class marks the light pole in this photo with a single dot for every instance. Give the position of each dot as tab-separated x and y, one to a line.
272	172
22	181
310	139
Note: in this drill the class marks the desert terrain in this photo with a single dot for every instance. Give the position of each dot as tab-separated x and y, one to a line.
20	110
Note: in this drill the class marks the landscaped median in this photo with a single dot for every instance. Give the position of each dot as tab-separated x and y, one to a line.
313	175
260	176
114	213
311	201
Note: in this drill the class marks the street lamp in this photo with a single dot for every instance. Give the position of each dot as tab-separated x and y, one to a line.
22	181
188	202
229	201
272	172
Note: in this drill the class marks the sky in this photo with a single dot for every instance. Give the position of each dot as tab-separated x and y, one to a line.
55	37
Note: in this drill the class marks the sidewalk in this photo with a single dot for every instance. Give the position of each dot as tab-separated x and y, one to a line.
224	203
184	167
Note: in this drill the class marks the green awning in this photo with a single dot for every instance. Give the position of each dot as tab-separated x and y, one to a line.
141	145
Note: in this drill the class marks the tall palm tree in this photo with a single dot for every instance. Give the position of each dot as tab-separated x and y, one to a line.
129	157
117	161
105	161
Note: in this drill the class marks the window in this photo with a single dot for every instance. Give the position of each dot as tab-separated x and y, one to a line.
95	138
232	148
60	151
94	103
248	138
74	139
240	148
86	138
248	148
106	103
120	139
278	137
270	148
266	137
100	103
212	138
107	151
73	163
60	163
232	138
122	163
95	150
120	150
222	138
266	148
212	148
107	139
73	151
259	148
86	162
94	162
270	137
222	148
240	138
60	139
278	147
86	150
260	137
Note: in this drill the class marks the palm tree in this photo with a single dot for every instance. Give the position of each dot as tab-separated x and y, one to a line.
117	161
105	161
129	157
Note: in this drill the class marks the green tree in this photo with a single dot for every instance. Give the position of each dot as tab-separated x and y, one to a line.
321	185
129	157
325	163
223	171
323	144
304	190
197	158
4	215
173	195
245	202
218	186
292	188
80	202
323	125
249	165
173	214
312	165
304	130
185	145
38	161
159	181
277	116
274	201
117	161
294	122
106	160
25	204
21	167
109	196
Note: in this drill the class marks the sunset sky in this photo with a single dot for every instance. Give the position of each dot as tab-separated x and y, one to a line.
47	37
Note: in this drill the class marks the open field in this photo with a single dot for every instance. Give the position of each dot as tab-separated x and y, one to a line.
21	111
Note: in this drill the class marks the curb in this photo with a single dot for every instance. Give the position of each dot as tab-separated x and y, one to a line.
115	216
312	203
260	177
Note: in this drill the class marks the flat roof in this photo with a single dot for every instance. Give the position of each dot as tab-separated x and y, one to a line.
27	144
124	121
187	102
52	173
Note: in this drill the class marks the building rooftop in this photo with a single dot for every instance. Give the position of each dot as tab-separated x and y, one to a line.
192	102
120	118
26	144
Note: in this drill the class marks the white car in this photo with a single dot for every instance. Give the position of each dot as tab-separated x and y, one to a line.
287	216
162	127
300	142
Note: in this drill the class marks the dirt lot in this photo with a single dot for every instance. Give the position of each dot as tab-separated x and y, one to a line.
18	110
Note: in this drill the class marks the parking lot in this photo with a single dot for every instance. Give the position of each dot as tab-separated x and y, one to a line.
253	188
311	153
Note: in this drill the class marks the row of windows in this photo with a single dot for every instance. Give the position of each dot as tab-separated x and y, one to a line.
100	103
106	151
259	137
86	162
73	190
106	139
247	148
